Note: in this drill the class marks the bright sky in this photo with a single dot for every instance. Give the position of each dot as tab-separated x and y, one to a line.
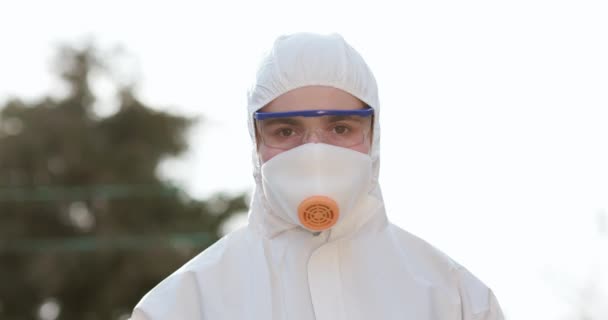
494	116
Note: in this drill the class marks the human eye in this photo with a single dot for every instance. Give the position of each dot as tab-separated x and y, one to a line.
284	132
345	126
341	129
283	129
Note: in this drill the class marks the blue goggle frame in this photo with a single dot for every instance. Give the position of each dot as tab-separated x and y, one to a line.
313	113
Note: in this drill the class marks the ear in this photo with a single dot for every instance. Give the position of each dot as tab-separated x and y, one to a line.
257	136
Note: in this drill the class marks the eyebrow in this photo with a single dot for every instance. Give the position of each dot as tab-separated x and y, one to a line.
290	121
294	121
343	118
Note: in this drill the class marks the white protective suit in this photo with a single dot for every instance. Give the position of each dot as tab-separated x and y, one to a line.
362	268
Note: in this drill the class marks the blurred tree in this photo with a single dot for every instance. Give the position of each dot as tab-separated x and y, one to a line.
86	225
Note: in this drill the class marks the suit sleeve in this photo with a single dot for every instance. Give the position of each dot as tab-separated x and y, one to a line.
478	301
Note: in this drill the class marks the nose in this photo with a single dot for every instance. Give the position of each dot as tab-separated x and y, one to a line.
312	137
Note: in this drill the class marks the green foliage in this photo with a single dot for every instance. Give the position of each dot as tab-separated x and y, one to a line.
84	219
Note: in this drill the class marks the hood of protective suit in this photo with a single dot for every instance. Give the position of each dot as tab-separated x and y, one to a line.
362	268
302	60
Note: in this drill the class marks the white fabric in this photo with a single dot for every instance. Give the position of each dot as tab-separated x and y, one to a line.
316	169
362	268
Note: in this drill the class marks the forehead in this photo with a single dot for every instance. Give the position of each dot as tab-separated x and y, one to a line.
314	97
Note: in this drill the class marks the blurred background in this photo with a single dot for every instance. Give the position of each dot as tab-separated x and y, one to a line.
124	149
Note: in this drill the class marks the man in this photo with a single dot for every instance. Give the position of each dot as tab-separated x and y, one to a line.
318	244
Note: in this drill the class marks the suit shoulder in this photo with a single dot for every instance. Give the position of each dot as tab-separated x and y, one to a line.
180	295
430	263
419	251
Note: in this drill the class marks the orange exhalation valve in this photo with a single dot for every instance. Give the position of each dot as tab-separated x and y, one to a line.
318	213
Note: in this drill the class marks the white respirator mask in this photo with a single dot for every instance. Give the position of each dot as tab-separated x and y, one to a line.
316	185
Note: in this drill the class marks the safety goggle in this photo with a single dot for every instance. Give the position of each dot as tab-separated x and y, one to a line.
286	130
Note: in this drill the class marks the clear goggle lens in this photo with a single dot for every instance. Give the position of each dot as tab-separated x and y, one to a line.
286	130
